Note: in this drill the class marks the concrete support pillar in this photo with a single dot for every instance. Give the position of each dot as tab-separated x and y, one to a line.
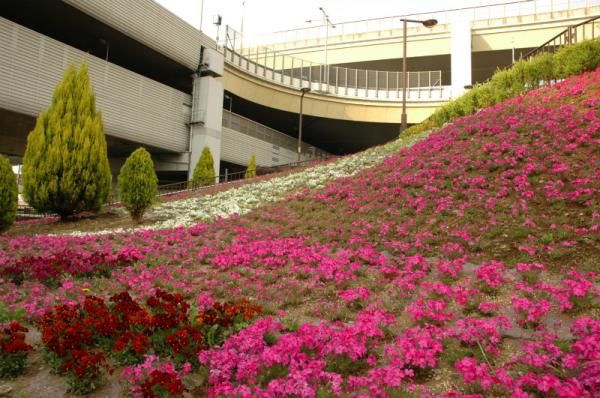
461	48
207	120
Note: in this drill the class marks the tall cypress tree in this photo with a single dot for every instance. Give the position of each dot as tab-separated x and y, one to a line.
8	194
65	167
204	172
251	170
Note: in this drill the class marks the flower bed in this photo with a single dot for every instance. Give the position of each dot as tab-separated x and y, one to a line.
463	265
79	339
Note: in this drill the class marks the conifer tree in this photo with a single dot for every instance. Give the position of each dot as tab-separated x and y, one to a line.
204	172
251	170
65	167
8	194
138	183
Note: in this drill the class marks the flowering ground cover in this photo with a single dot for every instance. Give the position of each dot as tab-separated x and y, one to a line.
463	265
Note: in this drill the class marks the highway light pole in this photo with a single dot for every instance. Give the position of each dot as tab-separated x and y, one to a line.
303	91
428	24
327	23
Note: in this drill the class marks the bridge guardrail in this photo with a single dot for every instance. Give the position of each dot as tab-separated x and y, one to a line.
297	73
586	30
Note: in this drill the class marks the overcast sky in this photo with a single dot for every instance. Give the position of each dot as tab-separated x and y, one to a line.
266	16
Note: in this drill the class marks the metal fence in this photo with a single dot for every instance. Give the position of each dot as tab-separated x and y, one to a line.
389	26
223	180
254	129
586	30
326	79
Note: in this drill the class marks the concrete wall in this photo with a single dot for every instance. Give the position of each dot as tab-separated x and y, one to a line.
238	148
149	23
133	107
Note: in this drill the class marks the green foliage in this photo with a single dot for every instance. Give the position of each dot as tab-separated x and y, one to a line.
7	314
578	58
12	365
270	339
345	365
274	372
251	170
65	167
204	173
138	183
523	76
540	70
81	385
8	194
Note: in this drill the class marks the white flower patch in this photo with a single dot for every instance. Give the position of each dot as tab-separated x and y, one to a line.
241	200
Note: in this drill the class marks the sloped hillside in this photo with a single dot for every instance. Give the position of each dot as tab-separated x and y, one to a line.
464	265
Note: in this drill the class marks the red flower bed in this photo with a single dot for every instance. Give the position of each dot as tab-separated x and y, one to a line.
79	339
50	267
13	349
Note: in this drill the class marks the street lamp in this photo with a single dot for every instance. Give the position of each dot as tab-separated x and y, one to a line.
303	91
327	23
217	20
428	24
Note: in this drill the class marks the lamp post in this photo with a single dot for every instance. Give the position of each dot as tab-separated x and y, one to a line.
217	20
328	23
428	24
201	13
303	91
242	27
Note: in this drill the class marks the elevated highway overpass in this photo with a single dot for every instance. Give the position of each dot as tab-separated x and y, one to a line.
144	64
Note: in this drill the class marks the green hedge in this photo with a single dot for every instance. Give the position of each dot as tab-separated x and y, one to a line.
523	76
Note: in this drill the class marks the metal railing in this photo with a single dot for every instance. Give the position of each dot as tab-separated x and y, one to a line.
331	80
26	212
254	129
221	181
389	26
587	30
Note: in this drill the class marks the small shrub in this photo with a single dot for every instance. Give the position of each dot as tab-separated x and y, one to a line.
251	170
484	96
8	194
138	183
539	70
204	172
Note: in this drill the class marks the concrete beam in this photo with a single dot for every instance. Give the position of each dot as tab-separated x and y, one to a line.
279	97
